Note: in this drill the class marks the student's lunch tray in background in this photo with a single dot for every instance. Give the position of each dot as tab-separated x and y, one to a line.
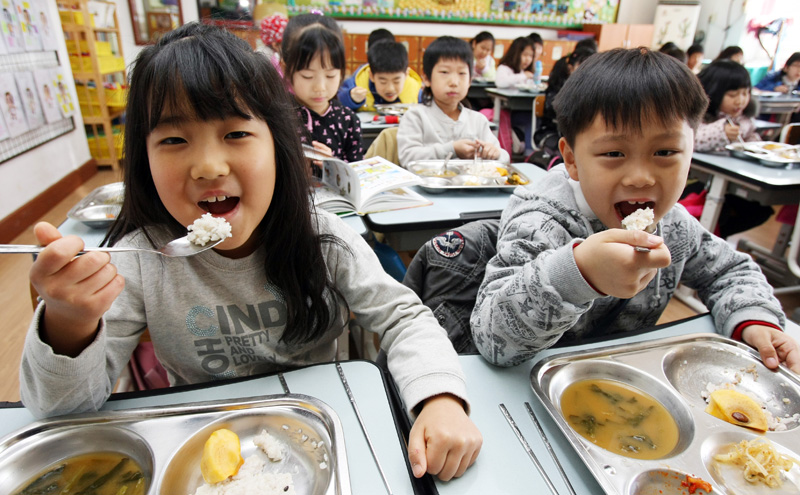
459	175
767	153
167	442
100	207
677	372
397	109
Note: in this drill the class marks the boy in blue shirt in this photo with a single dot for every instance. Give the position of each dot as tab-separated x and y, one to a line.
565	270
387	78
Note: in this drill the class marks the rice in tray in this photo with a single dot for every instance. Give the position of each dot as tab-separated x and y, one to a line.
251	478
207	229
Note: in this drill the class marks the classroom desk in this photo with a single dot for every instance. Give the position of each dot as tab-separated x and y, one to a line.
503	467
370	128
477	89
769	131
513	99
407	230
747	179
784	105
320	381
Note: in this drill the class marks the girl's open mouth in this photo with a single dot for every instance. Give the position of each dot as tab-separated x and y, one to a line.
219	205
625	208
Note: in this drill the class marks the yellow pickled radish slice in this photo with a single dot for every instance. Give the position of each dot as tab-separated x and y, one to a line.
737	408
222	456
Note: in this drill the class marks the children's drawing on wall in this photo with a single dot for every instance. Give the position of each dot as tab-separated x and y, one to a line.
11	105
47	29
63	95
30	100
26	15
45	85
12	33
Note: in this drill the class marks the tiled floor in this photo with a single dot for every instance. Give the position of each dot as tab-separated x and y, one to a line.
17	308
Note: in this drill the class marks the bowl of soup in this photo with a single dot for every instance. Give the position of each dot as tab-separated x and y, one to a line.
620	409
97	459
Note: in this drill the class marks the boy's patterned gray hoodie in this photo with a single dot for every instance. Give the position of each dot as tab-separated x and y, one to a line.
533	294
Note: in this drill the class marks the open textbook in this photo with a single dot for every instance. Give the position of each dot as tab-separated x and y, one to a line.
366	186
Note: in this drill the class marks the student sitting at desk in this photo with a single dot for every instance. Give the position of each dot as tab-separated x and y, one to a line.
784	80
387	78
566	270
442	126
730	111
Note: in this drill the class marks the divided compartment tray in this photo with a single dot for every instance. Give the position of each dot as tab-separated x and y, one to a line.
100	207
460	178
767	157
675	371
167	442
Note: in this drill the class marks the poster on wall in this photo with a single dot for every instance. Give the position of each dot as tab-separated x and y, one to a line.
30	100
11	105
9	25
63	96
45	85
675	23
45	25
550	13
3	128
26	14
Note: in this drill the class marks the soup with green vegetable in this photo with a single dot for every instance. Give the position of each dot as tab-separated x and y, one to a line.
619	418
105	473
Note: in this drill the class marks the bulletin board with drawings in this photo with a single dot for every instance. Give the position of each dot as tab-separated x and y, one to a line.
562	14
35	101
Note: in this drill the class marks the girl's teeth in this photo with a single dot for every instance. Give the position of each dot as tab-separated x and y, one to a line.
214	199
637	202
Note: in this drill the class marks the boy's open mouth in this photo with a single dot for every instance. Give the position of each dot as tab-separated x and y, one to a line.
625	208
219	205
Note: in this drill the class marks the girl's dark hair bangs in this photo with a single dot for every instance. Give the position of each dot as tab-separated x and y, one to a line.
720	77
628	88
315	39
189	78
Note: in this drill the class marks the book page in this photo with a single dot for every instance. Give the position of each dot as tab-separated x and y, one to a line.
340	177
377	174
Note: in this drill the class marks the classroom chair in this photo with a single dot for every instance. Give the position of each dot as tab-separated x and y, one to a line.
447	272
385	146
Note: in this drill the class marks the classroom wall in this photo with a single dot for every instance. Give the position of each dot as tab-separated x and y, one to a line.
29	174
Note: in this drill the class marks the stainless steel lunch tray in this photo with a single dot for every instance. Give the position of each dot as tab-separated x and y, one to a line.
767	158
100	207
393	108
675	371
167	442
461	179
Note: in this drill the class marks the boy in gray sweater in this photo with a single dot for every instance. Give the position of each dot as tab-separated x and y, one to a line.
565	269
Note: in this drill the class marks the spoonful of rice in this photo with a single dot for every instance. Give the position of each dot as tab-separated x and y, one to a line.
205	233
641	219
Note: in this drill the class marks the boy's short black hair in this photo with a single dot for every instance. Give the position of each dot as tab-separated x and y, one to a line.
387	57
380	34
586	42
627	87
676	53
536	38
728	52
444	48
696	48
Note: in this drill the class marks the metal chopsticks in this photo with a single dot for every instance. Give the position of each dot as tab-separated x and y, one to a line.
527	448
550	448
363	426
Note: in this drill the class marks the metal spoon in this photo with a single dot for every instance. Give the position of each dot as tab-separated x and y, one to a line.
446	161
174	249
